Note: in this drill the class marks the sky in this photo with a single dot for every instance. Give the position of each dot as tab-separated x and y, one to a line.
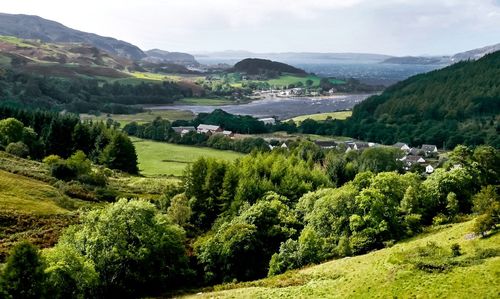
394	27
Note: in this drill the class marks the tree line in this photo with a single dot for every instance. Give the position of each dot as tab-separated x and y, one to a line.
81	95
37	134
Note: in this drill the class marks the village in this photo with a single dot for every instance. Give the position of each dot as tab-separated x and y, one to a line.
425	157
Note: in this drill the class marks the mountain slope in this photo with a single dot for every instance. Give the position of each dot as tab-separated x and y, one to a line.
476	53
386	273
161	56
34	27
457	104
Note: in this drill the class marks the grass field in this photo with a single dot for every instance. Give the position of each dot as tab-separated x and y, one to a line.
166	159
281	135
380	275
286	80
324	116
143	117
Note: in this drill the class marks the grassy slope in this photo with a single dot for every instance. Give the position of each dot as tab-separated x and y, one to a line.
376	275
26	195
323	116
31	210
165	159
291	79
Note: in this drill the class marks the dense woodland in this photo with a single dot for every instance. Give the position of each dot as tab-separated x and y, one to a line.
84	95
459	104
37	134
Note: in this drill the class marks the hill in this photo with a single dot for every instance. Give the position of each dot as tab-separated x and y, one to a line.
161	56
256	66
389	273
417	60
476	53
61	59
34	27
457	104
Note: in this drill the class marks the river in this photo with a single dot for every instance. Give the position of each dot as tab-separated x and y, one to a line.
282	108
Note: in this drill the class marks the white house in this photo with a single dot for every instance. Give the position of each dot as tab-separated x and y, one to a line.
268	121
208	129
402	146
429	168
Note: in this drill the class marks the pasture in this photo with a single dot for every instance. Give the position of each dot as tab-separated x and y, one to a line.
323	116
170	160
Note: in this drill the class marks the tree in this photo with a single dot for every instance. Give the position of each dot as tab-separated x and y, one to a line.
23	276
135	250
179	211
120	154
11	130
69	273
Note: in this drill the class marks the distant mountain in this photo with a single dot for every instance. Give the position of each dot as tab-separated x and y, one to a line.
34	27
232	57
444	60
161	56
256	66
459	104
417	60
476	53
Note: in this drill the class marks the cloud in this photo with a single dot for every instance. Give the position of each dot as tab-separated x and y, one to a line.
385	26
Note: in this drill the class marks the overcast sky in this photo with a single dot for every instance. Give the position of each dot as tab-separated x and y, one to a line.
397	27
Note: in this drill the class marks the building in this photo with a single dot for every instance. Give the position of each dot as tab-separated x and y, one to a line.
268	121
183	130
429	149
429	169
411	160
208	129
325	144
356	146
229	134
402	146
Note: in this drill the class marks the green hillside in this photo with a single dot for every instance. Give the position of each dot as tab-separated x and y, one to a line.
389	273
459	104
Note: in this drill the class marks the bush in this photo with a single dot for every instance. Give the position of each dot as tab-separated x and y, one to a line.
18	149
455	250
23	275
62	171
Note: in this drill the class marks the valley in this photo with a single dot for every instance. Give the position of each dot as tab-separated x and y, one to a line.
305	166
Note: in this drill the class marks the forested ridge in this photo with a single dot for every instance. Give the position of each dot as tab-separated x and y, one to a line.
459	104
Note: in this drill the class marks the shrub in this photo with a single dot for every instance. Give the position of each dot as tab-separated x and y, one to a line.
23	275
455	250
62	171
18	149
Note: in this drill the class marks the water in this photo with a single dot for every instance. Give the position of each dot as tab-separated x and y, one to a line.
282	108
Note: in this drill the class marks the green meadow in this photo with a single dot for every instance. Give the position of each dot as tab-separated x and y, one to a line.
323	116
166	159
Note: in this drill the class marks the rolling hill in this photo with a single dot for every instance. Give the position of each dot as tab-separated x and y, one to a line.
35	27
459	104
256	66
